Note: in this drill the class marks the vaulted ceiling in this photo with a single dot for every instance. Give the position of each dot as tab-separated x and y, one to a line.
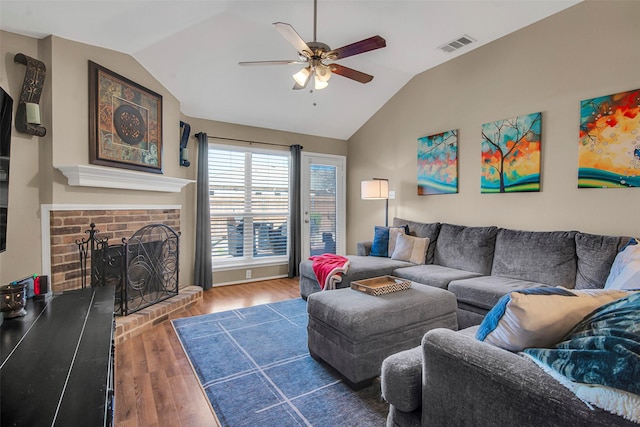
193	49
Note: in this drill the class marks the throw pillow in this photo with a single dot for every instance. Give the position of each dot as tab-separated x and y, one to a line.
421	229
380	245
410	248
540	317
393	236
625	271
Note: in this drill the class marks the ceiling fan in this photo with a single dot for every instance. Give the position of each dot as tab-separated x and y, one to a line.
314	54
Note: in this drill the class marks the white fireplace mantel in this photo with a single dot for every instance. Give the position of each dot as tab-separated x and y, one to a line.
104	177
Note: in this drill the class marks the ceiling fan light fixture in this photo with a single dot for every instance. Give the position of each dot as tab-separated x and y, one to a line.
320	84
302	76
313	53
323	73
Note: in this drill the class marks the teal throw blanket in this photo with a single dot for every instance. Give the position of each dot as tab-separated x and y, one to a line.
603	349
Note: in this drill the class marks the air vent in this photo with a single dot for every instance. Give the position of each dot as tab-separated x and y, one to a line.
456	44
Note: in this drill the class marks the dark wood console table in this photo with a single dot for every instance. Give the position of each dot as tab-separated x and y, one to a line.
56	363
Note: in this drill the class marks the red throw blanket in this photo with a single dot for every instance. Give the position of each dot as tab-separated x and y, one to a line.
329	269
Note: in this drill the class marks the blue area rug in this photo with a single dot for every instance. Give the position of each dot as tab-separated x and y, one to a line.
255	368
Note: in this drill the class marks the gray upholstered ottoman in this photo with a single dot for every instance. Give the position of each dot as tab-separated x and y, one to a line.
354	332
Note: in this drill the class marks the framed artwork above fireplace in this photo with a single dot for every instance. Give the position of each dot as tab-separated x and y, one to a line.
125	122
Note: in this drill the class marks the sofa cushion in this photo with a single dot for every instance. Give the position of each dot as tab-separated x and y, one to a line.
420	229
595	257
625	271
466	248
540	317
432	274
364	248
486	291
537	256
410	248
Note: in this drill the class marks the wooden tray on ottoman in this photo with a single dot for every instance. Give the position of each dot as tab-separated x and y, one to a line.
381	285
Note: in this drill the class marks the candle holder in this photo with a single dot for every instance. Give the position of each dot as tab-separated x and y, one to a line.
12	300
28	112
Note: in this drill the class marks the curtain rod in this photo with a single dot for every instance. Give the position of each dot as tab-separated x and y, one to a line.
247	141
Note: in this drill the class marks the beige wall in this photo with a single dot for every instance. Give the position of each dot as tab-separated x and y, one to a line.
586	51
64	109
310	144
22	257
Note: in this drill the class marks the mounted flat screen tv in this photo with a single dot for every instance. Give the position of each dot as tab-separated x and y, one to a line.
6	109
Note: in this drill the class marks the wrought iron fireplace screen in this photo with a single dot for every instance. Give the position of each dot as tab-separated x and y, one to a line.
144	268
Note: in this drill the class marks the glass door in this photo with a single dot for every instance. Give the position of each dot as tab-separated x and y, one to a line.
323	202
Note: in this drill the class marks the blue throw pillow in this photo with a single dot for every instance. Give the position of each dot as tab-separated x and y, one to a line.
380	246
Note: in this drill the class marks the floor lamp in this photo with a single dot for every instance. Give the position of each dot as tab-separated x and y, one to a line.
377	189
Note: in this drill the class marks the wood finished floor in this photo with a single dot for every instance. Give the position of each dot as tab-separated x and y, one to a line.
155	385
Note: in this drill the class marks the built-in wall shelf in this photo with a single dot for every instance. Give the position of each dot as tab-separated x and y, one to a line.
104	177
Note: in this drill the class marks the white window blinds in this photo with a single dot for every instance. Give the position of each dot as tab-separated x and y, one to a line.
249	202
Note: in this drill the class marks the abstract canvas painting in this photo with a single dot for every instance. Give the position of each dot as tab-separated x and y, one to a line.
438	163
609	147
511	154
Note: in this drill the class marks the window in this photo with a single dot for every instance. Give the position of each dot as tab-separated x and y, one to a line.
249	205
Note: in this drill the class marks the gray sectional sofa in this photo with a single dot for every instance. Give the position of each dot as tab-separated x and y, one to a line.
453	379
456	379
481	264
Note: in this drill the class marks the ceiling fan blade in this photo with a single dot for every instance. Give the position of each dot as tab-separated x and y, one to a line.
350	73
372	43
293	37
280	62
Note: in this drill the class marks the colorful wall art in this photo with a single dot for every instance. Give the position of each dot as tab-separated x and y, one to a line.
438	163
511	155
609	147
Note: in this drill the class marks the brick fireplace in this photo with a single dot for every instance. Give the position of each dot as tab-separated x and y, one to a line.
63	225
67	224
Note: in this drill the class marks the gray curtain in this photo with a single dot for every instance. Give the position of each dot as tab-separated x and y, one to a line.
295	231
203	275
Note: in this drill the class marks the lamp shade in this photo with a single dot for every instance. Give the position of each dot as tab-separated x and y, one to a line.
323	73
375	189
302	76
320	84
